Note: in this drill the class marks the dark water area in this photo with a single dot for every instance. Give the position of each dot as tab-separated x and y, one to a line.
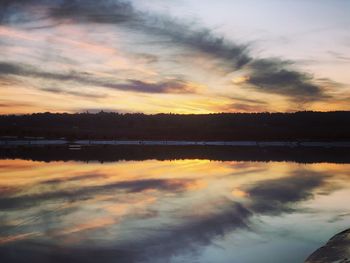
170	204
110	153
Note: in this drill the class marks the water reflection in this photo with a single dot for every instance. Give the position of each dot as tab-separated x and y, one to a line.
169	211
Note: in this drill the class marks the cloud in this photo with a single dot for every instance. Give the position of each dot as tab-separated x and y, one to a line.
280	195
21	11
189	236
244	107
190	232
339	56
175	86
63	11
168	185
74	178
275	76
269	75
106	11
158	246
174	32
14	104
170	86
199	39
75	93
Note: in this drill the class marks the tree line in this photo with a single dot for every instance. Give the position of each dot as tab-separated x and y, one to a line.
317	126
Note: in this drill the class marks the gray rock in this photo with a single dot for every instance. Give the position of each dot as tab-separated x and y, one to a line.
337	250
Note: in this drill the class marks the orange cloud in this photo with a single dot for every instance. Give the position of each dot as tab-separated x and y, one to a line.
10	32
239	193
18	237
241	79
89	225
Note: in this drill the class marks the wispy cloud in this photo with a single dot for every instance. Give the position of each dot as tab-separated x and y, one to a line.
75	93
280	195
275	76
175	86
269	75
167	185
191	232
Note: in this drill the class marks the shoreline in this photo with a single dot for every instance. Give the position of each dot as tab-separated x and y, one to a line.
112	153
291	144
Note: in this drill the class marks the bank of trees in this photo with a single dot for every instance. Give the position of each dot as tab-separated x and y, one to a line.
222	126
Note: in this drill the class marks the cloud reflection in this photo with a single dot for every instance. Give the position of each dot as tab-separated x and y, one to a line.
132	216
281	195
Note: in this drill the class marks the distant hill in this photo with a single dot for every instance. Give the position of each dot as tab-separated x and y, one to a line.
311	126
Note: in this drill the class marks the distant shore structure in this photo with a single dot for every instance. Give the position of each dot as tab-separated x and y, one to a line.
77	144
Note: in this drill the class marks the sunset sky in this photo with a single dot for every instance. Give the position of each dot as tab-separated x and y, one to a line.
179	56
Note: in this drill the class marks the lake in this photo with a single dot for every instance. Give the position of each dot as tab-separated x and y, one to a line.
224	206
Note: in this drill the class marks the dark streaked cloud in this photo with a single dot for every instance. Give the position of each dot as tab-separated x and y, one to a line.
168	86
275	76
84	192
280	195
160	245
190	236
74	178
66	11
191	232
243	104
174	33
106	11
339	217
339	56
267	75
329	83
236	56
244	107
23	11
75	93
118	11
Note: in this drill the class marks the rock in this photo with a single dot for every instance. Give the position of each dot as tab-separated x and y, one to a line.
337	250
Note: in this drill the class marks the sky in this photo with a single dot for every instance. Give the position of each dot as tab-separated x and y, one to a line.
174	56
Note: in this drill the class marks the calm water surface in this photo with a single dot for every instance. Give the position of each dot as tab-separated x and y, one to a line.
169	211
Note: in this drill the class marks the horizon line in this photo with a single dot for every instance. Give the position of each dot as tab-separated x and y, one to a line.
170	113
